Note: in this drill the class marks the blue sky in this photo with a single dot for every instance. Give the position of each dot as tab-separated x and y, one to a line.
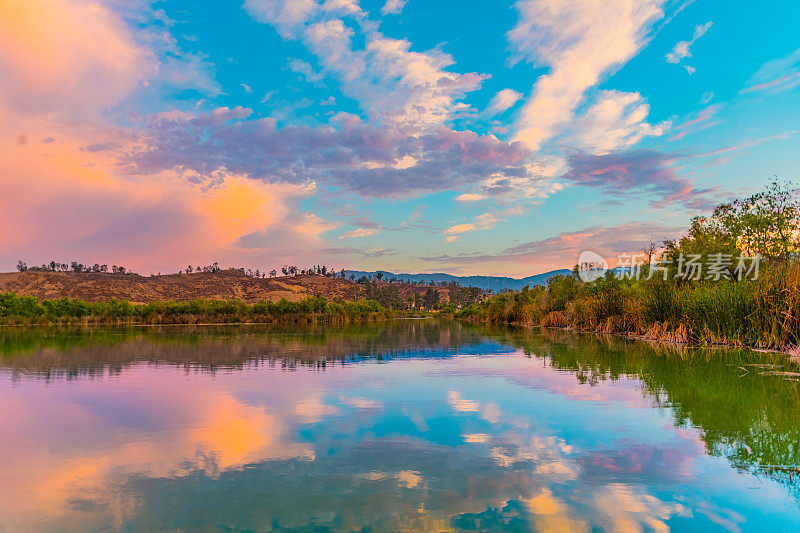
466	137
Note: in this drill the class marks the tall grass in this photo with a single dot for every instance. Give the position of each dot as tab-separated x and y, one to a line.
762	313
29	310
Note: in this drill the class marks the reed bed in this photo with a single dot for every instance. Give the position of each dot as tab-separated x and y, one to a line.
762	313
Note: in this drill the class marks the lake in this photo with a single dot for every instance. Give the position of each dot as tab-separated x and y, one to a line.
411	425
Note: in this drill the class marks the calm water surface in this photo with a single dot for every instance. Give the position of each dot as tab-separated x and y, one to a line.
407	426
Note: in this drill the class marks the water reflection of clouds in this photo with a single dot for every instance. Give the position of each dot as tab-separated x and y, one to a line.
413	444
84	457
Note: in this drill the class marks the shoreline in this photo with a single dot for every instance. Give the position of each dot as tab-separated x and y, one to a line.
792	353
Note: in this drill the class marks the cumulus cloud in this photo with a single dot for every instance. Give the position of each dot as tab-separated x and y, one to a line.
224	114
359	157
580	41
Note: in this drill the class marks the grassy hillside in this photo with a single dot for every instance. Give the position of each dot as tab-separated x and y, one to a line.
40	296
222	285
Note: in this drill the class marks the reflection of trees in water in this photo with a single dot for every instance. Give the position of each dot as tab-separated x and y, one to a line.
744	413
73	353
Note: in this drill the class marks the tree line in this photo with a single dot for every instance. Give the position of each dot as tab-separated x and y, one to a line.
30	310
74	266
666	299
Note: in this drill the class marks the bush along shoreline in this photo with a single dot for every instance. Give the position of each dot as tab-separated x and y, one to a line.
28	310
733	279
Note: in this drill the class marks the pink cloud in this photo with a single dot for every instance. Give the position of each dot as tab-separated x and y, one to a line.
638	172
370	160
67	55
562	251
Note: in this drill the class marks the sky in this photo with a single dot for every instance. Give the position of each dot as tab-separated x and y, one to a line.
468	137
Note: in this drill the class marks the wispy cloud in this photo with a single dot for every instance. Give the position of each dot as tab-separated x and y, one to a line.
638	172
453	232
615	121
580	41
502	101
681	49
562	250
777	75
703	120
484	221
359	232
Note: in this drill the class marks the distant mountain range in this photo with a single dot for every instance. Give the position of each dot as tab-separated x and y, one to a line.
494	283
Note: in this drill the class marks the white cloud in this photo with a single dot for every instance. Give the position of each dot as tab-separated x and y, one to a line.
393	84
581	41
224	114
393	6
615	121
305	68
681	49
503	100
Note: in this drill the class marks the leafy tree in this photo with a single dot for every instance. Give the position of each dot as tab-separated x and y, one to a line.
767	223
431	298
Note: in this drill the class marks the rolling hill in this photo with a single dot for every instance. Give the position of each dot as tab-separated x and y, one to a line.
221	285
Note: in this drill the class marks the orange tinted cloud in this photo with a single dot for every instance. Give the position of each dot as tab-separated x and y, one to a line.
59	54
57	200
